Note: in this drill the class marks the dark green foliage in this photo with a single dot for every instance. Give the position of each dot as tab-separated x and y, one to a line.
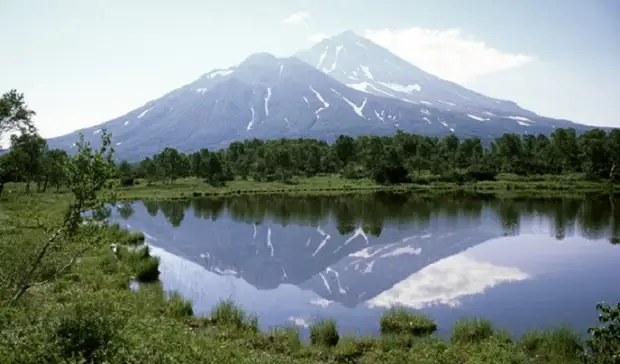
398	159
604	342
127	181
144	266
398	321
324	333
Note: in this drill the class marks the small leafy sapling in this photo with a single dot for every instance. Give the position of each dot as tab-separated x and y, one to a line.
89	178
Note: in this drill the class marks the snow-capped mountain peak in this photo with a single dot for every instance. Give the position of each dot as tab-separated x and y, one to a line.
363	65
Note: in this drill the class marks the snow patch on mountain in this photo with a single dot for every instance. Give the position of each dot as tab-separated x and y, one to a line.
322	58
402	88
519	118
267	98
318	96
143	113
365	86
380	116
251	123
446	103
338	49
219	73
367	72
357	109
478	118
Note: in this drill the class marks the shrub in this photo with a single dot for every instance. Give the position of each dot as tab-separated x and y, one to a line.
285	339
127	181
604	342
227	313
136	238
401	321
144	266
147	269
324	333
552	346
472	330
179	306
86	330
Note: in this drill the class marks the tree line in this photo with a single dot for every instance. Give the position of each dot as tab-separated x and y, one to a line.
392	159
399	158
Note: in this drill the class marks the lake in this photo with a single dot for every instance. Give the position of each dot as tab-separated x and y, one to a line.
522	263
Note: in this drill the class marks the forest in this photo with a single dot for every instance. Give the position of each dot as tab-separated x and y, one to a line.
401	158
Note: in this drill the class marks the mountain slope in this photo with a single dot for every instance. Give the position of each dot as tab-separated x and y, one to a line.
267	97
366	66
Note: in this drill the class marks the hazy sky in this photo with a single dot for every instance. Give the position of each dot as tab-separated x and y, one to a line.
83	62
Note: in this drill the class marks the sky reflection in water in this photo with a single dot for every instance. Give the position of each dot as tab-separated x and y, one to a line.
522	264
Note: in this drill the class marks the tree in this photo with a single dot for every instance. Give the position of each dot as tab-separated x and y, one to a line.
345	148
88	175
54	169
15	114
26	155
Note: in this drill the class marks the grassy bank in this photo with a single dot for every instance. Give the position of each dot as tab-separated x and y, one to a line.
88	314
505	185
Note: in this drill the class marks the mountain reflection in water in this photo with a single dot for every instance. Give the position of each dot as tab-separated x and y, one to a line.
522	263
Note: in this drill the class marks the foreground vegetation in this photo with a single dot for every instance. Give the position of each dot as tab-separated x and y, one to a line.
65	297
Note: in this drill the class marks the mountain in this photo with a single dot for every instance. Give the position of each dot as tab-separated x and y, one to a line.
267	97
368	67
349	267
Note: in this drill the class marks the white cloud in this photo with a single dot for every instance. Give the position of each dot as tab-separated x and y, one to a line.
447	53
298	18
316	38
321	302
446	282
298	321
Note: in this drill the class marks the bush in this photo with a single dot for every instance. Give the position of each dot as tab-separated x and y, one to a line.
127	181
147	270
324	333
401	321
179	306
472	330
136	238
552	346
285	340
353	171
604	343
477	173
86	330
227	313
144	266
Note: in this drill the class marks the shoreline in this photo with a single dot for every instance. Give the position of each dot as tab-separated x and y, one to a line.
330	185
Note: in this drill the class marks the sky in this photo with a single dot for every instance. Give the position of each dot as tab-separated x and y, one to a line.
83	62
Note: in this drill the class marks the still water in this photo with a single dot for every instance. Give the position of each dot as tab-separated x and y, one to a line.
523	264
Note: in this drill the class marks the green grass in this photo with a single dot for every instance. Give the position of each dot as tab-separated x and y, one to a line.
400	321
88	314
506	185
324	332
